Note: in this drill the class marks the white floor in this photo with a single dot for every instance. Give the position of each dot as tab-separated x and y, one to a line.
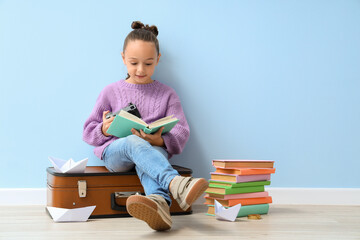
282	222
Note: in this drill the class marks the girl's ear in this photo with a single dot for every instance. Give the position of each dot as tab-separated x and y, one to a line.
123	57
158	58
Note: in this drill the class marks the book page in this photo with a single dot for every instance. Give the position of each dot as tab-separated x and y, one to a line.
162	121
132	117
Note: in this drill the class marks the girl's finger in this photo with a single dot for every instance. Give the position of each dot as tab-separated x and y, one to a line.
104	113
135	132
160	130
143	134
109	121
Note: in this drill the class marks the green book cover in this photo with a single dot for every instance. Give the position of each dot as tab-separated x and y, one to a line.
124	122
225	191
220	184
250	209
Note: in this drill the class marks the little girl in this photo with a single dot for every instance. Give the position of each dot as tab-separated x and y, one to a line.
148	153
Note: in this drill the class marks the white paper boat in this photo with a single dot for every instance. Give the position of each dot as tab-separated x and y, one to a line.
71	215
228	214
68	166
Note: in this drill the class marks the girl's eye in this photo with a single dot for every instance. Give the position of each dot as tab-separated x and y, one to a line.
133	63
149	64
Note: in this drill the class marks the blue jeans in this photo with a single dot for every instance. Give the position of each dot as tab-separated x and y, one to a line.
151	163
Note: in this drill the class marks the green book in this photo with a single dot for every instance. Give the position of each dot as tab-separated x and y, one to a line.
123	123
225	191
220	184
245	210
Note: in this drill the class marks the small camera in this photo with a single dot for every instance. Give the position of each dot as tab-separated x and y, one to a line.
130	108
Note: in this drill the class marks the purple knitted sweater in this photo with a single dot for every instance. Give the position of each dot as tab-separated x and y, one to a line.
154	100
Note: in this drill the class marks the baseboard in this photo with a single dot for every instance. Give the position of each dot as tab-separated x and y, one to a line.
312	196
315	196
300	196
22	196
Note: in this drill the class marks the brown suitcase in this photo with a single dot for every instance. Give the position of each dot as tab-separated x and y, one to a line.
97	186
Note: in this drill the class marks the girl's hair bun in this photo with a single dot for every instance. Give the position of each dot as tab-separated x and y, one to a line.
152	29
140	25
137	25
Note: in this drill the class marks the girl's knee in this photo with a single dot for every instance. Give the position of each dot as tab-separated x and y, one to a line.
135	141
129	141
119	166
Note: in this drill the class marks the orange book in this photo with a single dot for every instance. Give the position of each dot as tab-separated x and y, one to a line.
244	201
224	163
245	171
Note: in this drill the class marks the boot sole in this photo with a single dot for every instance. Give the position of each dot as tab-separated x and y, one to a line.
146	210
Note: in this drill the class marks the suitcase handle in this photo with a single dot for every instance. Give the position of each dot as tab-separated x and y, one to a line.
117	207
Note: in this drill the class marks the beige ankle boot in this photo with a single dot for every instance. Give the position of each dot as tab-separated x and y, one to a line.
152	209
185	190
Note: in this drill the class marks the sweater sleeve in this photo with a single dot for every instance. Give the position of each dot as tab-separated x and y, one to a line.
176	139
92	133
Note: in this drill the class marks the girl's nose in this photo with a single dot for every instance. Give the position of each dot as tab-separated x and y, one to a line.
140	68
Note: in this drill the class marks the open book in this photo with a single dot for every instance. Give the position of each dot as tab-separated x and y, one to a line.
124	122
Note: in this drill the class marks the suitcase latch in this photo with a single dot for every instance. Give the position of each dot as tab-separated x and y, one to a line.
82	188
125	194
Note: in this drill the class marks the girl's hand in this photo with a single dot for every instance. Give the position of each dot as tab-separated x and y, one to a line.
154	139
106	124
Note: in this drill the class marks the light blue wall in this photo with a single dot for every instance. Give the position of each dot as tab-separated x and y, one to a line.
258	80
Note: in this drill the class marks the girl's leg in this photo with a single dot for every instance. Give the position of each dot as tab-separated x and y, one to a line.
151	163
152	186
155	173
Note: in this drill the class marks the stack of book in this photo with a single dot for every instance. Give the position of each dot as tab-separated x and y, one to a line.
240	182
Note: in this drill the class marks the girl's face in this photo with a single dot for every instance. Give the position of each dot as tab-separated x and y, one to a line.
140	58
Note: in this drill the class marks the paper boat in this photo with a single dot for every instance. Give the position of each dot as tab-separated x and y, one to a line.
228	214
68	166
70	215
